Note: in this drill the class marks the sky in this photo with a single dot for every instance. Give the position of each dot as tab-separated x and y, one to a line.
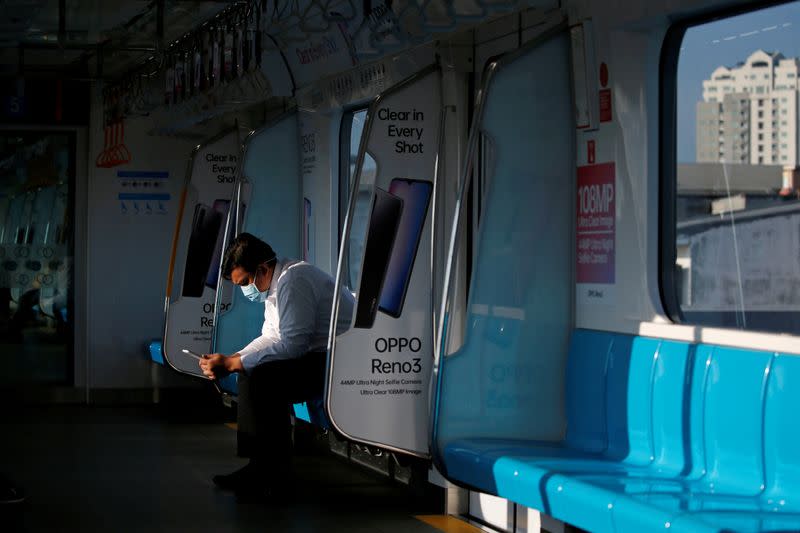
727	42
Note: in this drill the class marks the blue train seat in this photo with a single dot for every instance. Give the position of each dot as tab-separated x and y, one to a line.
660	435
156	352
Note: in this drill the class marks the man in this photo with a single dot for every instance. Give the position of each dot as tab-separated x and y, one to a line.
284	365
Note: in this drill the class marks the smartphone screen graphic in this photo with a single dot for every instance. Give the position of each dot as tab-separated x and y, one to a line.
221	207
383	223
205	229
416	195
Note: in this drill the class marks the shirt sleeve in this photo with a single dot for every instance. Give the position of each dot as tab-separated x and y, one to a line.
297	315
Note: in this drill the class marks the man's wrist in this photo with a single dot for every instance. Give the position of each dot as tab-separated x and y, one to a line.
233	363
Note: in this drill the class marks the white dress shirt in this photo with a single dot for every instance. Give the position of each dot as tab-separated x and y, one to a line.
297	314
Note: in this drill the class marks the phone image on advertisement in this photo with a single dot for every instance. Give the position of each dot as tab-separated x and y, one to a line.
205	228
416	195
384	221
221	207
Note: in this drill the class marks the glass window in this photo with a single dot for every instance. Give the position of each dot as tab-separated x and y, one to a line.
37	172
353	124
733	235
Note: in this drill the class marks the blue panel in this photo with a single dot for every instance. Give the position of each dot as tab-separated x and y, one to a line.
638	402
510	366
733	410
229	384
619	385
586	390
301	412
522	482
581	504
670	373
272	213
634	515
465	464
782	433
700	360
156	352
713	523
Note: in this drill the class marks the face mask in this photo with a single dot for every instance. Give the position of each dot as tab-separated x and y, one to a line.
252	293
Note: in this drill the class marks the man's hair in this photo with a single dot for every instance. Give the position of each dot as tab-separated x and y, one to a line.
247	251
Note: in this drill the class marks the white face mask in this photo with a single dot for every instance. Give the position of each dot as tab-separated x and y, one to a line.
252	293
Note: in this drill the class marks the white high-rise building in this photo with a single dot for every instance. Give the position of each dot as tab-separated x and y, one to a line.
749	112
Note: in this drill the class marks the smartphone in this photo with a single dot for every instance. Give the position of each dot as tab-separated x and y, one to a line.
384	221
193	354
221	207
416	195
205	230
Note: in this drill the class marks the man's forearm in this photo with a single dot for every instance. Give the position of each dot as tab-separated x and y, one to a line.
233	363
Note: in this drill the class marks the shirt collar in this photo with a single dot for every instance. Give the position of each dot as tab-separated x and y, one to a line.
276	273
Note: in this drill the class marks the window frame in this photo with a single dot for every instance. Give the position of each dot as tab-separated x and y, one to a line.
668	153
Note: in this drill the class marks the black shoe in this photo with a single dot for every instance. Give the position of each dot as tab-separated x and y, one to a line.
10	495
239	480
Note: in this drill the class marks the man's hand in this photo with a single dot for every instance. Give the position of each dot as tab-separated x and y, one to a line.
218	365
213	365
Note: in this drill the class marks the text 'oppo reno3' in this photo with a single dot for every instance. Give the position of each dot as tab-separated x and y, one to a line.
416	195
383	223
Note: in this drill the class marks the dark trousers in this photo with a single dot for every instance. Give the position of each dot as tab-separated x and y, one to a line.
266	396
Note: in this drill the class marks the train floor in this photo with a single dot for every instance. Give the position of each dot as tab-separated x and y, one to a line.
146	469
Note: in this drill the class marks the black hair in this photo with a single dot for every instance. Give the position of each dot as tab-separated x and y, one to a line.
247	251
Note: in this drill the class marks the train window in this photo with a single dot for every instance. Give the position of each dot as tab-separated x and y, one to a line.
352	128
732	200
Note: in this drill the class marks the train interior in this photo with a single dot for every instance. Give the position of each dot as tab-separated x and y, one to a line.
570	230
